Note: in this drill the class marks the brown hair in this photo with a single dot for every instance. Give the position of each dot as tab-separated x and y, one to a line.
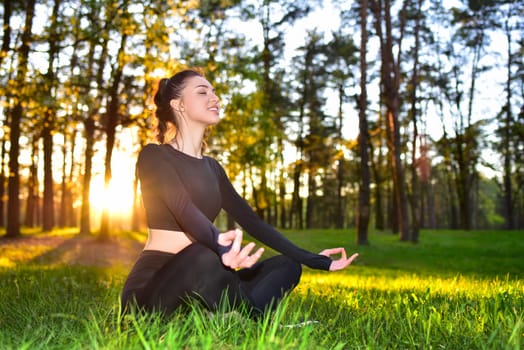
169	89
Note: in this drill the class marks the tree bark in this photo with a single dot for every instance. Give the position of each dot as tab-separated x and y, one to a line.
13	205
414	84
364	191
49	125
390	78
506	139
31	211
6	42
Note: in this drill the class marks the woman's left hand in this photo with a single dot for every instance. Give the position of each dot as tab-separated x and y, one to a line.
238	257
340	263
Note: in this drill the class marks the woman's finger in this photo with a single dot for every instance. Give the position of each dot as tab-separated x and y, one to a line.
252	259
237	242
226	238
353	257
340	264
244	253
332	251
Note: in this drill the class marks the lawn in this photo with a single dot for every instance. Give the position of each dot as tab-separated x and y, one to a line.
453	290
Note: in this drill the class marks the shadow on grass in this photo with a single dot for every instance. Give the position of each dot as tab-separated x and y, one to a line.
70	249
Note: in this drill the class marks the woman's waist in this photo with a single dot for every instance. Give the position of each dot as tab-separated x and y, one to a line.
170	241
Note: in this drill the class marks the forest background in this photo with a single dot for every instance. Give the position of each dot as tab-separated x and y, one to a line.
399	115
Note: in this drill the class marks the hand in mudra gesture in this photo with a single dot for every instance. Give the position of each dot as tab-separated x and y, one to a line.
238	257
340	263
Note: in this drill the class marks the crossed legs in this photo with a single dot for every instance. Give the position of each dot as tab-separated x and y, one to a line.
198	272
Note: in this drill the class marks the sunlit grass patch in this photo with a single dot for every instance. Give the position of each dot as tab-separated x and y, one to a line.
48	307
396	296
410	311
322	283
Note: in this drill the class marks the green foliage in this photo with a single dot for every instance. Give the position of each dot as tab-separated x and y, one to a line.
455	290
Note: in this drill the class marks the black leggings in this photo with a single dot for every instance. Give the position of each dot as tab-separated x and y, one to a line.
198	272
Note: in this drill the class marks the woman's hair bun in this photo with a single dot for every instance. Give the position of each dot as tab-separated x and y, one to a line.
161	92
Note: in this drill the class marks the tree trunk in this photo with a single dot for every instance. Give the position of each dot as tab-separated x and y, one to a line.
506	139
339	208
31	212
111	122
85	211
6	42
364	191
310	201
295	214
66	215
13	205
48	208
390	78
63	186
415	197
282	197
3	154
380	222
49	125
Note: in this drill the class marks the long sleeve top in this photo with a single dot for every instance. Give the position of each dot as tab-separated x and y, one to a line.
184	193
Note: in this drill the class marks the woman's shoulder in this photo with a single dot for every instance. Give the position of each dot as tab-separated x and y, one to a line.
213	162
151	147
149	152
217	168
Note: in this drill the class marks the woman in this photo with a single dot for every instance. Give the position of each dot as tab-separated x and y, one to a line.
183	191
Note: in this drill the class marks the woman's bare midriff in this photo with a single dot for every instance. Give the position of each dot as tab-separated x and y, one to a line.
167	241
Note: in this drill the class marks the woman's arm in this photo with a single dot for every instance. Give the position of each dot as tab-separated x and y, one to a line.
240	210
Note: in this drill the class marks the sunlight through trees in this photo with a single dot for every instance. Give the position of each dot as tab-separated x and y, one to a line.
318	130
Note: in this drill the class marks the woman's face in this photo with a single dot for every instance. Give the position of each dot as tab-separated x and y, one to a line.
199	102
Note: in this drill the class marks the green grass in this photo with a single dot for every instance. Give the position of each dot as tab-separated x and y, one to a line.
453	290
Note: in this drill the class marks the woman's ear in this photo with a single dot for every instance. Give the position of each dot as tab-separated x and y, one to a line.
176	104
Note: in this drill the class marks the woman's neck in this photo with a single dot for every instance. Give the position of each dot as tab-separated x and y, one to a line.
189	145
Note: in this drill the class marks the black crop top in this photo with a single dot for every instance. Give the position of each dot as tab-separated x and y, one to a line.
184	193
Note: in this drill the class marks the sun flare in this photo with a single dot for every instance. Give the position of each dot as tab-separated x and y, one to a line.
117	197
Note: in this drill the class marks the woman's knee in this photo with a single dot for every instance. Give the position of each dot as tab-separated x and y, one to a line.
295	269
292	268
207	264
203	256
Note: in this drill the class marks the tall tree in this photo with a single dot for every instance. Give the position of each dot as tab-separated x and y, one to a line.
363	211
33	190
96	37
508	20
467	51
341	60
413	99
318	130
390	81
274	17
112	119
6	35
4	51
48	127
13	205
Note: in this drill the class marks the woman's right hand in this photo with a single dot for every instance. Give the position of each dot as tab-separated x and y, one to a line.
238	257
